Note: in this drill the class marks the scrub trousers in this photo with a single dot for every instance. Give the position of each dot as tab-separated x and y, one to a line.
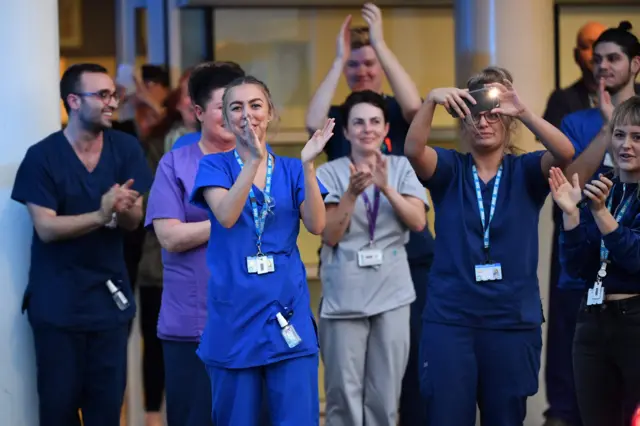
80	371
412	411
364	362
464	366
606	359
563	313
290	387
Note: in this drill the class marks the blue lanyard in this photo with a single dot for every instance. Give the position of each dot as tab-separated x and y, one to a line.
259	219
618	215
494	198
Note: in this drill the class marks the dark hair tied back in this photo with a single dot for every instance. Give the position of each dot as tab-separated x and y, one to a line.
625	26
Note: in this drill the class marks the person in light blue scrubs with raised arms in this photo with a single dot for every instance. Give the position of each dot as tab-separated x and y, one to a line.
260	329
481	335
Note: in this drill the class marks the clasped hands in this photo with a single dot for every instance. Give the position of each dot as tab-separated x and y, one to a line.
119	199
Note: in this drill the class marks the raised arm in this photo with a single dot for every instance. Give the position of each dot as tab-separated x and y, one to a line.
401	83
590	160
560	150
574	241
227	204
312	208
409	209
321	101
423	158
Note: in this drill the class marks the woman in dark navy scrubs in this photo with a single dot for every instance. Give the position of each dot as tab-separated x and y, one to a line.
481	338
601	245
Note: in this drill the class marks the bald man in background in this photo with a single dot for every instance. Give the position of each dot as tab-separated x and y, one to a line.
564	304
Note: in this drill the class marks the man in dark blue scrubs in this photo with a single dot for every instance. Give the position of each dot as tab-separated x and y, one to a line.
82	187
365	59
563	304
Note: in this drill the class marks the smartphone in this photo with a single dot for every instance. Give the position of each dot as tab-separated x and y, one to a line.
125	77
486	100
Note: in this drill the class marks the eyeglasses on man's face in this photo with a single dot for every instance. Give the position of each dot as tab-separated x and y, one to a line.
104	95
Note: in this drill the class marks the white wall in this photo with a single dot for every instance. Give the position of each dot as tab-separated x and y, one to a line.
30	111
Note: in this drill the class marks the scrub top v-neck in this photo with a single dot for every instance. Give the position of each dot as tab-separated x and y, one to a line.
242	330
67	277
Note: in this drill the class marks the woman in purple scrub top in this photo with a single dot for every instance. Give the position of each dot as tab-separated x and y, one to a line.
183	232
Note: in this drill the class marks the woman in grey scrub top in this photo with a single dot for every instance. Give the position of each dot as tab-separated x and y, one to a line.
373	202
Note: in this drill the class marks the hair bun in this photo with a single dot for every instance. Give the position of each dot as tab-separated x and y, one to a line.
625	26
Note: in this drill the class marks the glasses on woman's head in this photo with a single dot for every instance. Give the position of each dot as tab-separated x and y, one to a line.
489	117
104	95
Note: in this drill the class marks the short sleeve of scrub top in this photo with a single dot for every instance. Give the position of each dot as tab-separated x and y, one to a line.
34	181
165	199
409	183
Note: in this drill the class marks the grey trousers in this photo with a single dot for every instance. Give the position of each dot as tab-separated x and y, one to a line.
364	362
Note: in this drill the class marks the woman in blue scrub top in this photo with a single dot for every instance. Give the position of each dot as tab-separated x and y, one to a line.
601	245
260	328
481	336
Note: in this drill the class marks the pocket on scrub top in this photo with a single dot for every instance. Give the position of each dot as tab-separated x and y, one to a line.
343	289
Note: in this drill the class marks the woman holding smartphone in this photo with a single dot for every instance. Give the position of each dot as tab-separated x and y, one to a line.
481	338
601	245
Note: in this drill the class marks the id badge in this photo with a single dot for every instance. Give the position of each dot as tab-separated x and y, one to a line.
265	264
492	272
369	257
595	295
252	265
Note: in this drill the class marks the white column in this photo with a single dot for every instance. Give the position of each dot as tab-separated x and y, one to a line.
31	110
516	35
156	32
125	32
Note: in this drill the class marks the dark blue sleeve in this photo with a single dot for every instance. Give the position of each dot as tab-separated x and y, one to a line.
334	148
446	171
537	182
136	166
568	127
211	173
624	247
578	246
34	181
298	175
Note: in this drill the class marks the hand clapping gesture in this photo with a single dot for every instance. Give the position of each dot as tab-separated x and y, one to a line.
343	43
257	149
373	17
380	173
359	180
316	144
604	101
598	191
566	195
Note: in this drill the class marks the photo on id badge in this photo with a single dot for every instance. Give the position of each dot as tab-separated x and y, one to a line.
492	272
260	264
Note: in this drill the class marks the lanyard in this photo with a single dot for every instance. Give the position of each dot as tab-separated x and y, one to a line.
372	211
618	215
259	219
494	198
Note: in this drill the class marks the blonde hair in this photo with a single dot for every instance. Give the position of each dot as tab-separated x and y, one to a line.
496	75
359	37
248	79
625	114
